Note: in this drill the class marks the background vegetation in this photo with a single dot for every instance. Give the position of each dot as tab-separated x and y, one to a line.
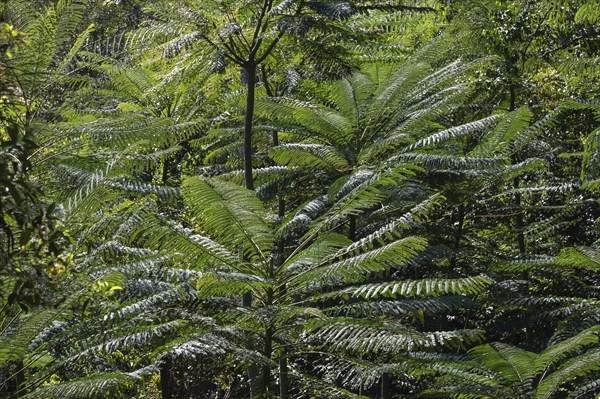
299	199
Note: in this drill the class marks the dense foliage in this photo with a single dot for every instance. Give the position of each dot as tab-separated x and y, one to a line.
299	199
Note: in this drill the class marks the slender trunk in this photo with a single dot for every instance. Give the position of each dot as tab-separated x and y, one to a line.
268	352
165	171
252	368
250	69
284	382
519	219
19	379
460	222
520	222
352	228
513	98
165	378
386	385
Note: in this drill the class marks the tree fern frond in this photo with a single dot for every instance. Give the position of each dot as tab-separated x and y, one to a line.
334	126
353	203
452	162
499	139
218	284
301	219
138	337
579	257
317	387
198	251
512	363
94	386
358	337
396	308
558	188
392	229
316	156
15	346
572	369
321	248
358	267
455	131
560	351
231	213
420	288
586	390
154	301
168	193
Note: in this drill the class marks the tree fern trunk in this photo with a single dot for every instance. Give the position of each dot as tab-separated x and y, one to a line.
268	352
250	68
386	385
284	382
520	223
19	380
352	227
165	378
460	222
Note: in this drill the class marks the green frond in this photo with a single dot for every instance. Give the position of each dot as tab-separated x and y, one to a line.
167	193
420	288
318	388
560	351
588	13
275	180
388	338
94	386
79	43
217	284
352	204
402	80
315	156
448	162
496	142
549	121
196	250
300	220
350	93
558	188
586	390
150	302
330	125
455	131
576	367
394	228
121	339
359	267
591	185
512	363
230	213
579	257
409	308
16	345
127	130
321	248
464	392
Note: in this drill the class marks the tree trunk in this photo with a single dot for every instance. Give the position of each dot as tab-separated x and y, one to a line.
250	68
268	352
284	382
520	222
386	385
460	220
352	227
165	378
